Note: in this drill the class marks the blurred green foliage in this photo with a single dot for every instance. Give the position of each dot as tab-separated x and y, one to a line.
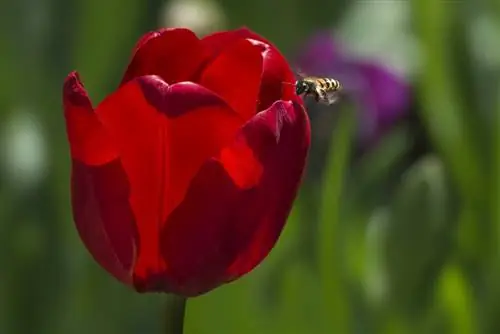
382	243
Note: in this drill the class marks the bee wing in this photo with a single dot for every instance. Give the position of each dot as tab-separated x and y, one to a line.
302	74
331	98
299	73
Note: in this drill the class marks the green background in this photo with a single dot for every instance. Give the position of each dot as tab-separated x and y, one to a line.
389	241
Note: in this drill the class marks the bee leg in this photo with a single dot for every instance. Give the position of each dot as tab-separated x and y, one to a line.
317	97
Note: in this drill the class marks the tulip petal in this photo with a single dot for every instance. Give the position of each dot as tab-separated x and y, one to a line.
277	77
238	203
284	167
146	38
88	140
163	138
103	216
173	54
277	74
235	76
96	179
218	41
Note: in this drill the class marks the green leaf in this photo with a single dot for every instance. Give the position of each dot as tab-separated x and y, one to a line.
375	280
418	235
378	163
375	170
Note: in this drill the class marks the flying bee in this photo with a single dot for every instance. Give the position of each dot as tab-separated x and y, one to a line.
324	90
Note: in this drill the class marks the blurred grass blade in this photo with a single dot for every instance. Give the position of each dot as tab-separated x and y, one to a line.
297	301
455	296
443	108
378	163
495	174
226	310
329	264
494	5
106	33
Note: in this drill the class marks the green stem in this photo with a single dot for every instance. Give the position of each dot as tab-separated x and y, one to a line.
174	315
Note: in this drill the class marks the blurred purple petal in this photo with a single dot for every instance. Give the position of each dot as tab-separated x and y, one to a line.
383	96
319	53
389	93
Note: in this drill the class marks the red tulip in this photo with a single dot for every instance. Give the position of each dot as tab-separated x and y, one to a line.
183	178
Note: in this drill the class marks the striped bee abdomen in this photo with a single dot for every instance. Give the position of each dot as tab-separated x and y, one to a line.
323	83
332	84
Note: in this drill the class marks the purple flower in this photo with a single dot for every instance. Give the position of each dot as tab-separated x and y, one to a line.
382	96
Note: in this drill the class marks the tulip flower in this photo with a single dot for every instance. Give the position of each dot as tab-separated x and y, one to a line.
183	178
382	96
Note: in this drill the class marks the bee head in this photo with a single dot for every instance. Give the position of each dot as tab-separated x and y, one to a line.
301	87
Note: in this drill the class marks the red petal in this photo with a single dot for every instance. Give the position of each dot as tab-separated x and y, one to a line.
172	54
146	38
277	76
163	137
235	76
284	164
218	41
96	180
238	203
103	216
88	140
245	32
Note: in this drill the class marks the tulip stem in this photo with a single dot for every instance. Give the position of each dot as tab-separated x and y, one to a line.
174	315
